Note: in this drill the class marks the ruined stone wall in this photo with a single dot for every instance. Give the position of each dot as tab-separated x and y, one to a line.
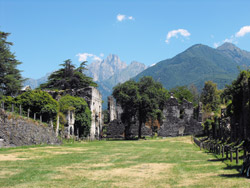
19	131
178	121
176	124
94	99
112	109
96	113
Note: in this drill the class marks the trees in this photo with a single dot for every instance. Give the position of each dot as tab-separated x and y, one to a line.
210	96
82	112
68	77
128	96
237	96
39	102
181	93
143	100
10	76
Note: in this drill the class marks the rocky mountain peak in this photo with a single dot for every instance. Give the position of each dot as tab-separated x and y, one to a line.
240	56
227	46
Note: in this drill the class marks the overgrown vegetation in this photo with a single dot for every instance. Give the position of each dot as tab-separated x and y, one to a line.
82	112
143	100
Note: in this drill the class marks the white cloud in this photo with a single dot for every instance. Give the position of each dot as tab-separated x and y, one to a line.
85	56
231	40
216	44
131	18
95	58
175	33
234	38
122	17
101	54
243	31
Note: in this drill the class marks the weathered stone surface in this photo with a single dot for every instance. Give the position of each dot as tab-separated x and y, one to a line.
178	121
94	99
112	108
18	131
115	129
175	124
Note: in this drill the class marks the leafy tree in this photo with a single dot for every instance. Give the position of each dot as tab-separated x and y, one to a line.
39	102
181	93
153	97
68	77
237	97
10	76
210	96
82	112
143	100
196	95
128	96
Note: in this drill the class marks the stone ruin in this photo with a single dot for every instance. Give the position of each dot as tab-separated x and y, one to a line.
179	120
94	99
69	130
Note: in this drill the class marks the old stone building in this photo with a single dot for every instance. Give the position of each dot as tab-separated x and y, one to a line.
94	99
178	120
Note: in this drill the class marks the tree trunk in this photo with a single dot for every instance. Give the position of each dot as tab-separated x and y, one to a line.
57	125
139	128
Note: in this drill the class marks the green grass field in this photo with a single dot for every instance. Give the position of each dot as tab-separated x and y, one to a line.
171	162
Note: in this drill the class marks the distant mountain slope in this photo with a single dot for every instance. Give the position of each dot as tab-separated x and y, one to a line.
34	83
196	65
241	57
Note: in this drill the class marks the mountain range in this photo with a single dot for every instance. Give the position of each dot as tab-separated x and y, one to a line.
198	64
111	71
106	73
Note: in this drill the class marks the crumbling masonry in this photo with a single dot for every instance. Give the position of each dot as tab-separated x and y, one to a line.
178	120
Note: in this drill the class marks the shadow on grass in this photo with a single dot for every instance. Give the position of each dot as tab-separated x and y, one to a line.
237	175
228	166
216	160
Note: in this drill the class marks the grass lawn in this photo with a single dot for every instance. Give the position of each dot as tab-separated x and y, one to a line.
170	162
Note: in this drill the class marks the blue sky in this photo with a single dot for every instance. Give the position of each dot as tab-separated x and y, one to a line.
47	32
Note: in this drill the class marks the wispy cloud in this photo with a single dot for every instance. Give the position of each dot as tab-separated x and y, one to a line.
86	56
122	17
176	33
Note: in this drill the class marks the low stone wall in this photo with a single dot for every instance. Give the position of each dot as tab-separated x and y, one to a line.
116	129
19	131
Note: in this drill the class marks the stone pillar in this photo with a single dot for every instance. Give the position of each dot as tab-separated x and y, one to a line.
188	109
71	122
112	109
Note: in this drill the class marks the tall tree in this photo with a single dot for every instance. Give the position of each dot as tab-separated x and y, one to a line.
143	100
210	96
128	96
153	97
10	76
69	77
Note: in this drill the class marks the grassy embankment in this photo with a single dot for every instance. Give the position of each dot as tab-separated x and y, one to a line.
171	162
